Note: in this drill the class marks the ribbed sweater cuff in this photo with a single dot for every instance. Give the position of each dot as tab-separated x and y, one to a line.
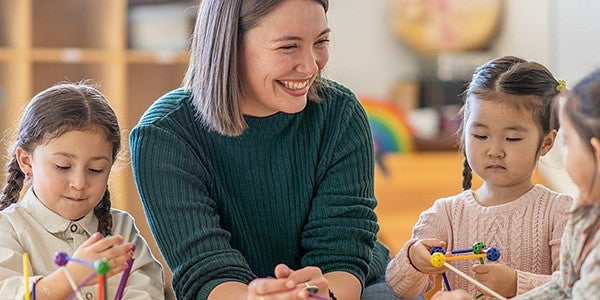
528	281
404	280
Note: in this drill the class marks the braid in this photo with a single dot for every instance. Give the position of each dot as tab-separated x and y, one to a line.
467	175
102	212
14	184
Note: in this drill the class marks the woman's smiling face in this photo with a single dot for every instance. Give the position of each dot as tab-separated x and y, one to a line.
282	56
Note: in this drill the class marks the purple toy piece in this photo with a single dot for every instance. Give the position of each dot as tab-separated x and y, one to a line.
61	258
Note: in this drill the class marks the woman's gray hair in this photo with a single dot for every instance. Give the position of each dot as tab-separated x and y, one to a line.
213	74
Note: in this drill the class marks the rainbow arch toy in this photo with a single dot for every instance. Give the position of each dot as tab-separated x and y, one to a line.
391	130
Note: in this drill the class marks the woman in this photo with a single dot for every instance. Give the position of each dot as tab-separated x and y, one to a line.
257	174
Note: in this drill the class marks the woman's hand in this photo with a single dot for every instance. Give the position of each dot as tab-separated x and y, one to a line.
289	284
419	254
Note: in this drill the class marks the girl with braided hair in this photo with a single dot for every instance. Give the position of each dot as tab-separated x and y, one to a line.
509	122
66	144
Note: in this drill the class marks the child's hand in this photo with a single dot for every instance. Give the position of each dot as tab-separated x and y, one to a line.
94	248
498	277
419	255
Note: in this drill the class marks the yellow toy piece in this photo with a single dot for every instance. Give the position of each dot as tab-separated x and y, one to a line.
438	259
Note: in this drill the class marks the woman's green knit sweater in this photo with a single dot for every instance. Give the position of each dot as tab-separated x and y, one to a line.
294	189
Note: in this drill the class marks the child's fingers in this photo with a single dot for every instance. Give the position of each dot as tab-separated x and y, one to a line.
117	267
107	242
91	240
124	252
430	243
108	248
117	260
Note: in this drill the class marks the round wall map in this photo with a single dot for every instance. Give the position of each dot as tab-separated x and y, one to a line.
440	26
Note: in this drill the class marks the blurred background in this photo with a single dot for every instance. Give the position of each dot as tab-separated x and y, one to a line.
407	61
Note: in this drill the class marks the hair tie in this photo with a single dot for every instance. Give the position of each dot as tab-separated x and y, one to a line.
561	86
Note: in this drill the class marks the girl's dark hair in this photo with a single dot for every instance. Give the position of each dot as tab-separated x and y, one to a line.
212	76
582	108
51	113
533	86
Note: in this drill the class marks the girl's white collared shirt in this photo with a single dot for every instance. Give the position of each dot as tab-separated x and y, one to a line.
29	226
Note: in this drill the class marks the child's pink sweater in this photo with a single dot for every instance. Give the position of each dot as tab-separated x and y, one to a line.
527	231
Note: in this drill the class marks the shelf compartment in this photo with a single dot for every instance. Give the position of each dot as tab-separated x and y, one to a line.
70	55
47	74
157	57
161	26
4	107
82	23
8	54
12	31
141	95
5	23
12	100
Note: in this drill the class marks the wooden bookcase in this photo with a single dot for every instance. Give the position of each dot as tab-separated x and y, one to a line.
44	42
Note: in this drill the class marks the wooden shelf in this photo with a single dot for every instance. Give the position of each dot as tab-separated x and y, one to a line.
8	54
81	24
70	55
45	42
157	57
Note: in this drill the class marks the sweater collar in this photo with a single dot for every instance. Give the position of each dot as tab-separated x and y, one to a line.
535	192
266	126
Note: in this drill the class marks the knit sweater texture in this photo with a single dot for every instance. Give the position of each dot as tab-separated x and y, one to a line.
293	188
575	280
527	231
